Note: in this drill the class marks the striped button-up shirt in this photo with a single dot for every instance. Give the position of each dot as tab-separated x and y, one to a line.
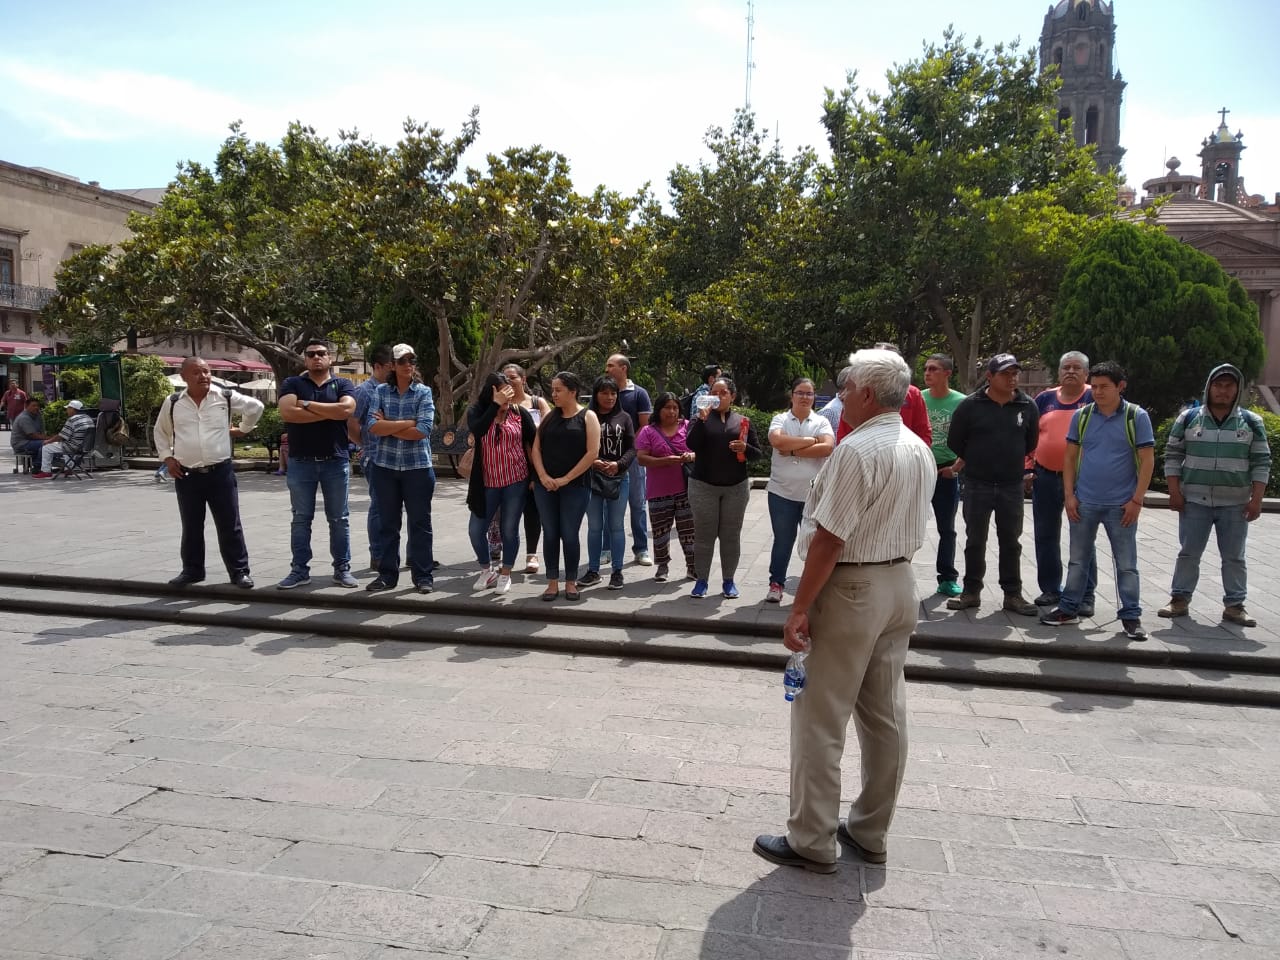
416	404
503	447
366	394
873	493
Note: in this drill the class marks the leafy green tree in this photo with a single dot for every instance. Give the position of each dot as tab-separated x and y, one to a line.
729	278
953	202
1163	310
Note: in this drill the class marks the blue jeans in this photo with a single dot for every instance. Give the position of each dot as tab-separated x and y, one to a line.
1124	548
410	491
374	520
1047	505
784	517
332	478
562	512
510	501
604	527
635	498
1194	524
946	497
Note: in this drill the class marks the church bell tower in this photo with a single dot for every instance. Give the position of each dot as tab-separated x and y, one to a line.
1078	40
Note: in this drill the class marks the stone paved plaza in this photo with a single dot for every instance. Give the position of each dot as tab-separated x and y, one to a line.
176	793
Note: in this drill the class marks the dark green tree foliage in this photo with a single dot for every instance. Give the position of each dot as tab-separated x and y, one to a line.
1165	311
953	203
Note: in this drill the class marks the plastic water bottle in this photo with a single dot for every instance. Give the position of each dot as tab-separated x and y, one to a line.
708	401
793	676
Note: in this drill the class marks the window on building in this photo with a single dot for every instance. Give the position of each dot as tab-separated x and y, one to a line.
1064	118
1091	125
1057	56
8	265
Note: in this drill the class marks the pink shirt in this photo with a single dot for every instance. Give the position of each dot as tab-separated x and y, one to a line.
663	481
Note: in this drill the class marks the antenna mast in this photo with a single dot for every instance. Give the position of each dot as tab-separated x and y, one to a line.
751	39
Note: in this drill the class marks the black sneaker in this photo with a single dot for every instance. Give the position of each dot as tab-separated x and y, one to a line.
377	586
1085	611
1048	600
615	581
661	573
589	579
1133	629
1057	617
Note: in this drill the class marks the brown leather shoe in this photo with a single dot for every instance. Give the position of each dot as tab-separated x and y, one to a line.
1176	607
1238	615
965	601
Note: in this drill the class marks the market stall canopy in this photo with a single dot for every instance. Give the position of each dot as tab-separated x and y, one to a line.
68	359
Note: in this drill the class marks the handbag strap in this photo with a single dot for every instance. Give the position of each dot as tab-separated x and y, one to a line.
666	441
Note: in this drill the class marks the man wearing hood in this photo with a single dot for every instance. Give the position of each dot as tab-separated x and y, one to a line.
1217	462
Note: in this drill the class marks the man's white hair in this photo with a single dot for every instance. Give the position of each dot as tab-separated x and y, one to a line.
1074	355
884	372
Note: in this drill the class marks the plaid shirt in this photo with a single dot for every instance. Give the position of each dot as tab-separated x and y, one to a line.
366	395
416	404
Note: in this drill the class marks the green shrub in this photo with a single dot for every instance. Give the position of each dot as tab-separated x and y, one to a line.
55	417
1270	422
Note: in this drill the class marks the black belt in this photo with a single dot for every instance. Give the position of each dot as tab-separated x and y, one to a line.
313	459
206	469
871	563
1044	469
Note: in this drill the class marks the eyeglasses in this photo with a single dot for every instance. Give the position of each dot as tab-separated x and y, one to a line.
312	354
801	393
407	360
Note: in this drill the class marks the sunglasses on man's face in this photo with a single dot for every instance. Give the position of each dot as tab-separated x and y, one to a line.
312	354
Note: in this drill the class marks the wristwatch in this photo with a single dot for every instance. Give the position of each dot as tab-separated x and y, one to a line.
306	404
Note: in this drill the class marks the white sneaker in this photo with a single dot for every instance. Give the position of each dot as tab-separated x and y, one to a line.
503	584
487	579
643	558
775	593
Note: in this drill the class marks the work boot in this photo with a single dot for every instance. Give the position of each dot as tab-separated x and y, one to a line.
1177	607
965	601
1014	603
1238	615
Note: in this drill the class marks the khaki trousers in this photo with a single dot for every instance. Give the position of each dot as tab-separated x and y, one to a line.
860	625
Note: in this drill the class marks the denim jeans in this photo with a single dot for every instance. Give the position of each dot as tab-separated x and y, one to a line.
508	503
562	512
784	517
332	478
374	520
635	499
1194	524
1047	505
604	527
410	491
1124	548
946	497
982	500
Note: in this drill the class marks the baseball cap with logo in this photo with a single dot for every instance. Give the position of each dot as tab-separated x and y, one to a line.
1003	361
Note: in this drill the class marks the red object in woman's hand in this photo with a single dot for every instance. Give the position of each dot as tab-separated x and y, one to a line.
742	436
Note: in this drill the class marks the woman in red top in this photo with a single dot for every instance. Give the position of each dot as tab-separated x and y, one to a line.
504	433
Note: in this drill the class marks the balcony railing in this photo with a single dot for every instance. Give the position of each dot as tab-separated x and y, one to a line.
19	296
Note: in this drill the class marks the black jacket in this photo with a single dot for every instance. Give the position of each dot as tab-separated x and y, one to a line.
480	417
994	439
715	463
617	438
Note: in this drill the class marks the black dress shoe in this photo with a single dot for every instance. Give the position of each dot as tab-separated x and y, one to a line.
185	579
777	850
378	585
242	580
425	586
867	856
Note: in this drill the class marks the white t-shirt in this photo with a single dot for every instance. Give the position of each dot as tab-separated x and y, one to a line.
791	477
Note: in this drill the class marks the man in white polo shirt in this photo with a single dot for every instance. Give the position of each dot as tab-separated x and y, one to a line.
855	609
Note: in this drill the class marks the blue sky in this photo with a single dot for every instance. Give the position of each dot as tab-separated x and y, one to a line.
121	92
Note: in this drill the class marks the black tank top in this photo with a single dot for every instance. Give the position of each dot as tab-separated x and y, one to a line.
564	443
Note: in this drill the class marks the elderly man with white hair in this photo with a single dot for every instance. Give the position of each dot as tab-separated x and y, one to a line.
855	609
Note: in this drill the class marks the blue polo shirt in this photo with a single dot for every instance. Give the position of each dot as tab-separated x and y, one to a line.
325	438
1106	474
635	401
